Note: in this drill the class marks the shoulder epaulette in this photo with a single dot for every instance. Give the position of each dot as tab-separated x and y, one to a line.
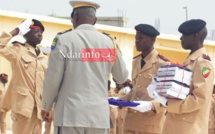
106	34
206	57
136	56
114	39
64	31
17	42
162	57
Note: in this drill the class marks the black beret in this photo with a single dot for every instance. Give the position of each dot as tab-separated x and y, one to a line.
37	23
147	29
191	26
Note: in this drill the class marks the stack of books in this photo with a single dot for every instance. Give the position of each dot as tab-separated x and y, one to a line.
173	81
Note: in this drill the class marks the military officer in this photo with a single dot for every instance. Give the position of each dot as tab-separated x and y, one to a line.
29	66
79	84
191	116
151	118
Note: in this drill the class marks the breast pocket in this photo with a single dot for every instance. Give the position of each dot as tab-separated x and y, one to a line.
187	117
27	63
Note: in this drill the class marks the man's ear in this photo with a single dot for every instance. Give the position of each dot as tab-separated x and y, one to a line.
95	21
153	39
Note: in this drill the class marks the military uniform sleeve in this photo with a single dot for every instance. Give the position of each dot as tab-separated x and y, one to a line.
54	75
119	70
10	53
202	90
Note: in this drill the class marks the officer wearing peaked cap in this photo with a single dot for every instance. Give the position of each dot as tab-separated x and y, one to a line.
23	96
83	3
149	117
86	101
192	113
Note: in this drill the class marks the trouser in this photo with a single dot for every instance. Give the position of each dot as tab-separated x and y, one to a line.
79	130
135	132
23	125
3	122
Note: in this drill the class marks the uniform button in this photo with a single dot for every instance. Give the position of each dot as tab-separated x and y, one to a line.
135	111
138	86
183	118
140	74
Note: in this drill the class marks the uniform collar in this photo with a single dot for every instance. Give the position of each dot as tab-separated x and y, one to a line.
86	27
29	47
32	49
151	56
149	60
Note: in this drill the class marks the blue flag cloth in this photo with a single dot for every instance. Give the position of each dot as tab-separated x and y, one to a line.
124	103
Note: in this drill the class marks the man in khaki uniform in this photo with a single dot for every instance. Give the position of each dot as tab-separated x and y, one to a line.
212	114
145	67
29	66
4	80
191	116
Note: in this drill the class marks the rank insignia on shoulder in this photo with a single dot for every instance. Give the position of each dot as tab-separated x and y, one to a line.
17	42
136	56
54	42
206	57
64	31
206	72
162	57
106	33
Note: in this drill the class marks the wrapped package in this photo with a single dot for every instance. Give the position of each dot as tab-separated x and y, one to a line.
173	81
170	94
162	87
174	73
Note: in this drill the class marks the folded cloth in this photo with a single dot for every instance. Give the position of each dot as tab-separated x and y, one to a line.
124	103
